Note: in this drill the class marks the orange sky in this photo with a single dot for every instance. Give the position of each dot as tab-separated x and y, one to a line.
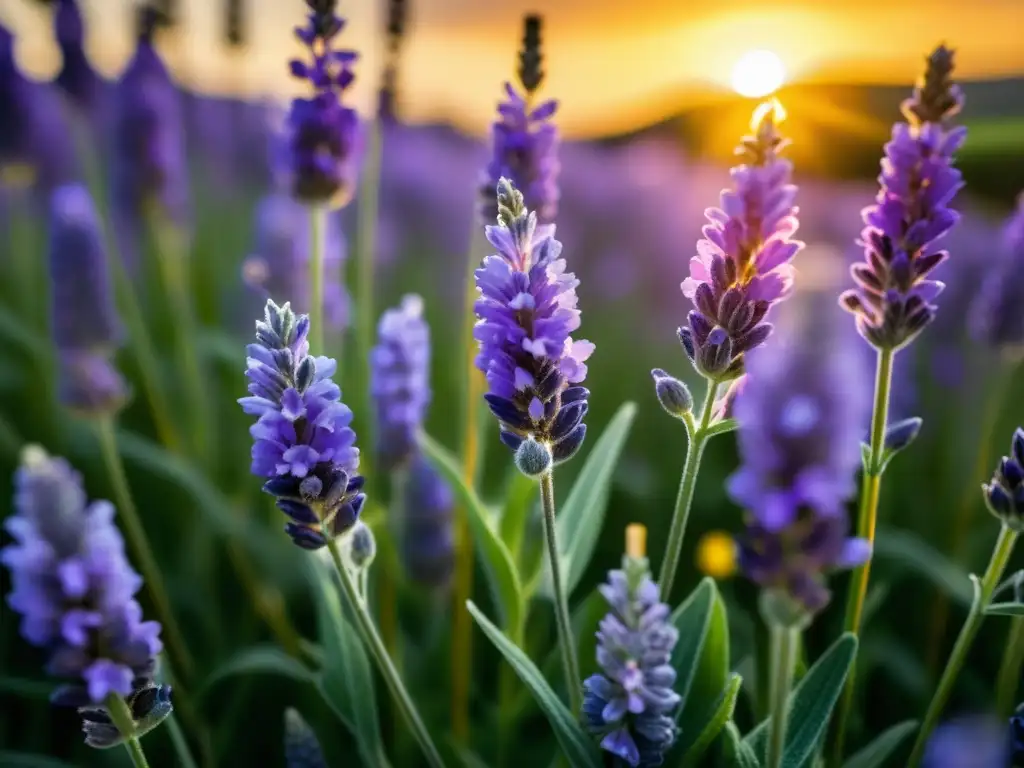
615	65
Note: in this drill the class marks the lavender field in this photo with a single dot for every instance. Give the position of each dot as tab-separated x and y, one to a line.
404	384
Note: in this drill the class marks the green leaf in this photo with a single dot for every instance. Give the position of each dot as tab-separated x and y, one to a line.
878	751
907	550
576	743
26	760
717	716
692	619
810	704
1005	609
501	569
737	753
346	681
520	495
701	657
255	660
721	427
581	517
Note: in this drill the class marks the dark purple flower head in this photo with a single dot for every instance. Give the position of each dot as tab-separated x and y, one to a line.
279	264
303	441
630	704
400	380
742	265
801	413
526	313
427	539
524	141
893	297
76	78
74	587
323	132
1005	492
301	748
996	316
150	167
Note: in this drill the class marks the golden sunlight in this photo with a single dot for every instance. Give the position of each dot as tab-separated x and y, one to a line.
757	74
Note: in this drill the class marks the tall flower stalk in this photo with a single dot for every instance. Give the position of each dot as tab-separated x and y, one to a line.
892	301
534	369
524	149
305	448
1004	497
741	269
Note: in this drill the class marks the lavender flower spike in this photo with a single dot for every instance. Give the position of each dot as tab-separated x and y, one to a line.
630	704
893	298
400	380
742	265
801	414
74	589
526	311
524	141
996	316
303	441
323	132
427	537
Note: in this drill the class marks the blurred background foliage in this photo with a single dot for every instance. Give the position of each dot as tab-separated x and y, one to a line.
648	138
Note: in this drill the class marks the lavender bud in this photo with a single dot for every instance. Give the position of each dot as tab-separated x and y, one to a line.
362	546
901	434
301	748
1004	494
673	394
533	459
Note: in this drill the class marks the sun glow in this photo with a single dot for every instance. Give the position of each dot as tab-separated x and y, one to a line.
757	74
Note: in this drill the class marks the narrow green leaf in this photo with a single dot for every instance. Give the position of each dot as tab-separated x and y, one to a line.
466	756
708	662
26	760
906	550
498	562
721	427
737	753
1005	609
581	517
255	660
718	715
576	744
878	751
810	704
520	495
692	619
346	681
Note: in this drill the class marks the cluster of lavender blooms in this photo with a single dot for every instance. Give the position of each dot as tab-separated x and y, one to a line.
893	298
1004	493
279	262
996	317
524	141
630	704
86	329
74	588
323	133
302	439
526	313
400	386
801	413
742	265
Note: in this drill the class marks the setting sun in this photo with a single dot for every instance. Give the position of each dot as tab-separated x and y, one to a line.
758	73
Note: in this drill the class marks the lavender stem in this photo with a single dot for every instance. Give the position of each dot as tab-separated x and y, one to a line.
316	276
785	646
122	717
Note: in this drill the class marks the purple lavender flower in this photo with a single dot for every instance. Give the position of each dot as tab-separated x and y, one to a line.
400	380
893	298
1005	492
996	316
526	310
303	441
742	265
150	163
801	413
76	78
427	539
630	704
524	141
74	589
323	133
279	264
301	748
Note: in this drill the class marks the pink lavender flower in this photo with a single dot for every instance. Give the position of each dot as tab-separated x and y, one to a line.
74	588
524	141
526	313
893	297
302	438
742	265
996	318
629	705
323	132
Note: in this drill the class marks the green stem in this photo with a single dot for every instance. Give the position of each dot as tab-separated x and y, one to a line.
317	224
566	641
867	516
785	645
180	742
996	565
1009	670
387	593
122	718
373	643
136	535
684	499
